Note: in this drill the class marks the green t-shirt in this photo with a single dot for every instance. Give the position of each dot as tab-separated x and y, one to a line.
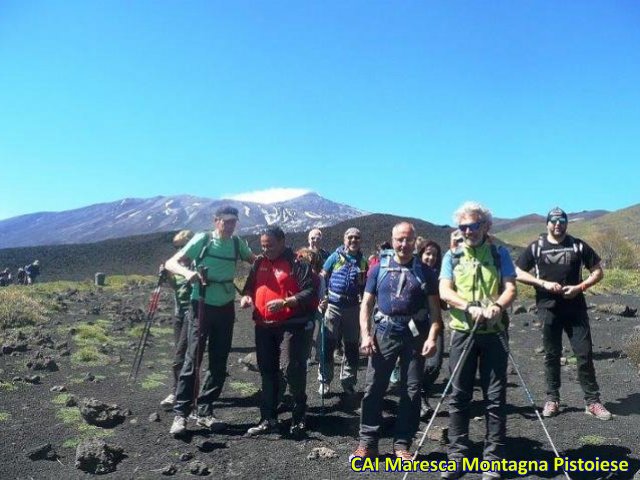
219	258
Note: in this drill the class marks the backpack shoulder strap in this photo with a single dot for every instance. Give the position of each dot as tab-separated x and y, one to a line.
497	262
205	247
236	247
536	249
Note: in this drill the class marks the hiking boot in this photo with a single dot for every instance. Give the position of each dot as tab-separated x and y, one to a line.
394	379
324	390
425	409
211	422
168	402
349	390
455	474
364	452
298	429
403	453
264	427
551	409
489	475
598	410
179	426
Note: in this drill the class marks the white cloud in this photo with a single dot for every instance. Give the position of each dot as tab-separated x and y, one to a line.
270	195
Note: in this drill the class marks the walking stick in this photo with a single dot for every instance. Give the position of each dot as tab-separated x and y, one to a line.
142	342
505	345
202	272
322	363
459	363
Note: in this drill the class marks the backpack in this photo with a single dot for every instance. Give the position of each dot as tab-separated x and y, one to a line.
205	249
536	249
495	254
345	280
385	268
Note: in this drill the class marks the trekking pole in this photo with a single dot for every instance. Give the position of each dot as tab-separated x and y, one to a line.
202	272
505	345
459	363
142	342
322	364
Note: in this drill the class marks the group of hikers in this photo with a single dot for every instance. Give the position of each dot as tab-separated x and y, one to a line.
387	308
24	276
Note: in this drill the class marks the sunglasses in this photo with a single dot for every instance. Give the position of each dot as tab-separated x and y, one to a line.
474	227
353	237
560	220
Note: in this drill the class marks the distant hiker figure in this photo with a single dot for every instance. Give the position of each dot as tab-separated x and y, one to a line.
430	253
218	251
21	277
477	280
404	288
31	272
182	300
315	244
280	288
344	272
556	260
5	277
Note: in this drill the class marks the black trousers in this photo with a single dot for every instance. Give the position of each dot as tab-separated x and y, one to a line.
489	355
268	346
215	333
575	322
180	338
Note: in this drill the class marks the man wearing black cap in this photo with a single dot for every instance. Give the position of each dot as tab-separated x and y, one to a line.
556	260
217	251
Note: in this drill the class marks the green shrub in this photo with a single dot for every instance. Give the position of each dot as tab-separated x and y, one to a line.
90	334
20	308
4	416
89	355
619	281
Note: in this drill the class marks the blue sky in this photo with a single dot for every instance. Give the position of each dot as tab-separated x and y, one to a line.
405	107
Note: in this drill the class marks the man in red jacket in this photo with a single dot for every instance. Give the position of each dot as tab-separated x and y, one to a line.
280	288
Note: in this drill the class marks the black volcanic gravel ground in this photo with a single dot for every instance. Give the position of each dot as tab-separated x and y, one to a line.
32	414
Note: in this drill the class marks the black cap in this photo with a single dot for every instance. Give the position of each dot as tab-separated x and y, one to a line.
557	212
227	212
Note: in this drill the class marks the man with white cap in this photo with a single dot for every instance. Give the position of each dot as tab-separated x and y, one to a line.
345	273
218	252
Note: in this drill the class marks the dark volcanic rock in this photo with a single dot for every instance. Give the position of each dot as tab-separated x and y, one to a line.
42	452
169	470
101	414
616	309
97	456
47	364
198	468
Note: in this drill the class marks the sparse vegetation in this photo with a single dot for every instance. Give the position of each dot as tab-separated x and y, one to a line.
61	399
592	440
4	416
154	380
246	389
7	386
19	309
90	334
614	249
90	356
69	415
619	281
